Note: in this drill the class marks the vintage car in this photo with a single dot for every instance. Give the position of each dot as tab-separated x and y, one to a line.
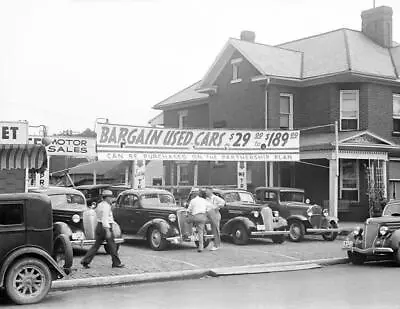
29	248
73	218
242	218
152	214
378	238
92	193
303	218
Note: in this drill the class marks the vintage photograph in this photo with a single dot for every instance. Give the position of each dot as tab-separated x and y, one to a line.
199	154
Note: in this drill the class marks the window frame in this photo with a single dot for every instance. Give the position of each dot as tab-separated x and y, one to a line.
20	203
181	115
291	111
235	70
357	167
357	92
395	117
178	173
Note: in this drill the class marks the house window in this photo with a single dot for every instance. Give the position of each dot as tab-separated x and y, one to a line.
183	174
396	113
349	180
286	111
182	119
235	70
349	110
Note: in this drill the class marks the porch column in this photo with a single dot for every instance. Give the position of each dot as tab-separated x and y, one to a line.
133	174
195	173
333	188
385	180
271	174
94	177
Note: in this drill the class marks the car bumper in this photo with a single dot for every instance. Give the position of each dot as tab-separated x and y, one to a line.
180	239
322	231
371	251
268	233
90	242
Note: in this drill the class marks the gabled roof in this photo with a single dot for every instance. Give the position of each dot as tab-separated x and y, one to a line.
185	95
396	58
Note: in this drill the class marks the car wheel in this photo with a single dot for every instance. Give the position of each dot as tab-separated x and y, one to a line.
331	236
107	248
278	239
28	281
240	235
63	253
296	231
356	258
156	240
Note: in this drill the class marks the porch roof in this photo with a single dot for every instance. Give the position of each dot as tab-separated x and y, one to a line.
351	140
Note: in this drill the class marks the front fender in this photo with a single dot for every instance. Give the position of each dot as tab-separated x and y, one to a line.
162	224
31	252
297	217
227	227
62	228
395	240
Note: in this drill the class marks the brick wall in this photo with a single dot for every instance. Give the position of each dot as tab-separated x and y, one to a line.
12	181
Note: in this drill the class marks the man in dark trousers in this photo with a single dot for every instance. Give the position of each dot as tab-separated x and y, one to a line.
105	220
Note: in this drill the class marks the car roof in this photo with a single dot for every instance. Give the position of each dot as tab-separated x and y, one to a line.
281	189
88	187
56	190
145	190
219	190
21	196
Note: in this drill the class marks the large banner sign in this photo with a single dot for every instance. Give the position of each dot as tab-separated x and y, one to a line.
121	142
13	132
74	146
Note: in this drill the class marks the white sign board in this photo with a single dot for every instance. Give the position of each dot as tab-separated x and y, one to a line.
74	146
242	175
123	142
39	180
13	132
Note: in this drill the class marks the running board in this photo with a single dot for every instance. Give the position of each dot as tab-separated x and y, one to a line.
323	231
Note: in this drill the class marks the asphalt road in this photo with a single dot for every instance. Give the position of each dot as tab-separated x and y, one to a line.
345	286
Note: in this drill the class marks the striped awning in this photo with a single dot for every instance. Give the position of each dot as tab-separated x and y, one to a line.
23	156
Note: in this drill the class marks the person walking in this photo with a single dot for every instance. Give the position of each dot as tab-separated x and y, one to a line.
213	214
105	220
197	209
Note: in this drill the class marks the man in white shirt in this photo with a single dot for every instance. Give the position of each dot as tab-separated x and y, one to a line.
213	214
105	220
198	209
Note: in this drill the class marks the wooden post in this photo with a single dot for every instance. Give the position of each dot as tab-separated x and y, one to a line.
127	176
333	188
94	177
133	173
195	173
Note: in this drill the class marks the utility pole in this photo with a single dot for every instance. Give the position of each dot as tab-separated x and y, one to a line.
374	3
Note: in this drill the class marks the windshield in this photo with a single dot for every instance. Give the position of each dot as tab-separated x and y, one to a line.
239	197
63	199
292	197
246	197
157	199
392	209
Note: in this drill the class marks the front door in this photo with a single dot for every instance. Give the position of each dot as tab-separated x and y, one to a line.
12	226
127	213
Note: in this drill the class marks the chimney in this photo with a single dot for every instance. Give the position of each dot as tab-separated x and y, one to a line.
248	36
377	25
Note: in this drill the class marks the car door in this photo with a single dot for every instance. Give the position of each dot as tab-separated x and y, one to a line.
12	226
127	213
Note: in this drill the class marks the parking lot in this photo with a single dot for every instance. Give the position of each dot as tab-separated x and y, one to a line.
138	258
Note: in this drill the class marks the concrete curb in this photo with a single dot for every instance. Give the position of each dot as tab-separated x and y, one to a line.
70	284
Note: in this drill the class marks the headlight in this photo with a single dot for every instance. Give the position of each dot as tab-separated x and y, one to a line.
172	217
383	230
76	218
275	213
309	212
325	212
255	213
357	231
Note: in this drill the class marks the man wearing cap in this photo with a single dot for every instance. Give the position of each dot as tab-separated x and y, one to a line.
105	220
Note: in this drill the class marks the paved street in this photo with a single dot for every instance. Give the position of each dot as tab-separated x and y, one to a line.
346	286
140	259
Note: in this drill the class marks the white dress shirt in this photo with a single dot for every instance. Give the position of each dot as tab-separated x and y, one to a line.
198	205
215	202
104	214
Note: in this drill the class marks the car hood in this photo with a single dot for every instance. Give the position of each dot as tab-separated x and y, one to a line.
71	207
165	208
297	204
246	205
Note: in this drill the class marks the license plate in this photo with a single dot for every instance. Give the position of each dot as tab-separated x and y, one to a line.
347	244
208	226
260	227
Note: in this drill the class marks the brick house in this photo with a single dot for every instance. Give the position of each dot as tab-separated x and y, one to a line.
346	76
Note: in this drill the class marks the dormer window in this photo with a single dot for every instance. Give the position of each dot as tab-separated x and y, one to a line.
235	70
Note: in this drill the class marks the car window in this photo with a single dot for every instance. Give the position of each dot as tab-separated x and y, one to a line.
130	200
157	199
232	197
269	196
292	197
62	199
392	209
246	197
11	214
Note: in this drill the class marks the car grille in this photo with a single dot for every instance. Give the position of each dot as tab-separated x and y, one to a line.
315	221
316	210
184	227
266	214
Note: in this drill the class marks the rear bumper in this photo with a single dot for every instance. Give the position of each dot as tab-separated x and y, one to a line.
371	251
90	242
322	231
180	239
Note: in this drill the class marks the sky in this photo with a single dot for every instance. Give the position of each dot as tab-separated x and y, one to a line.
64	63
